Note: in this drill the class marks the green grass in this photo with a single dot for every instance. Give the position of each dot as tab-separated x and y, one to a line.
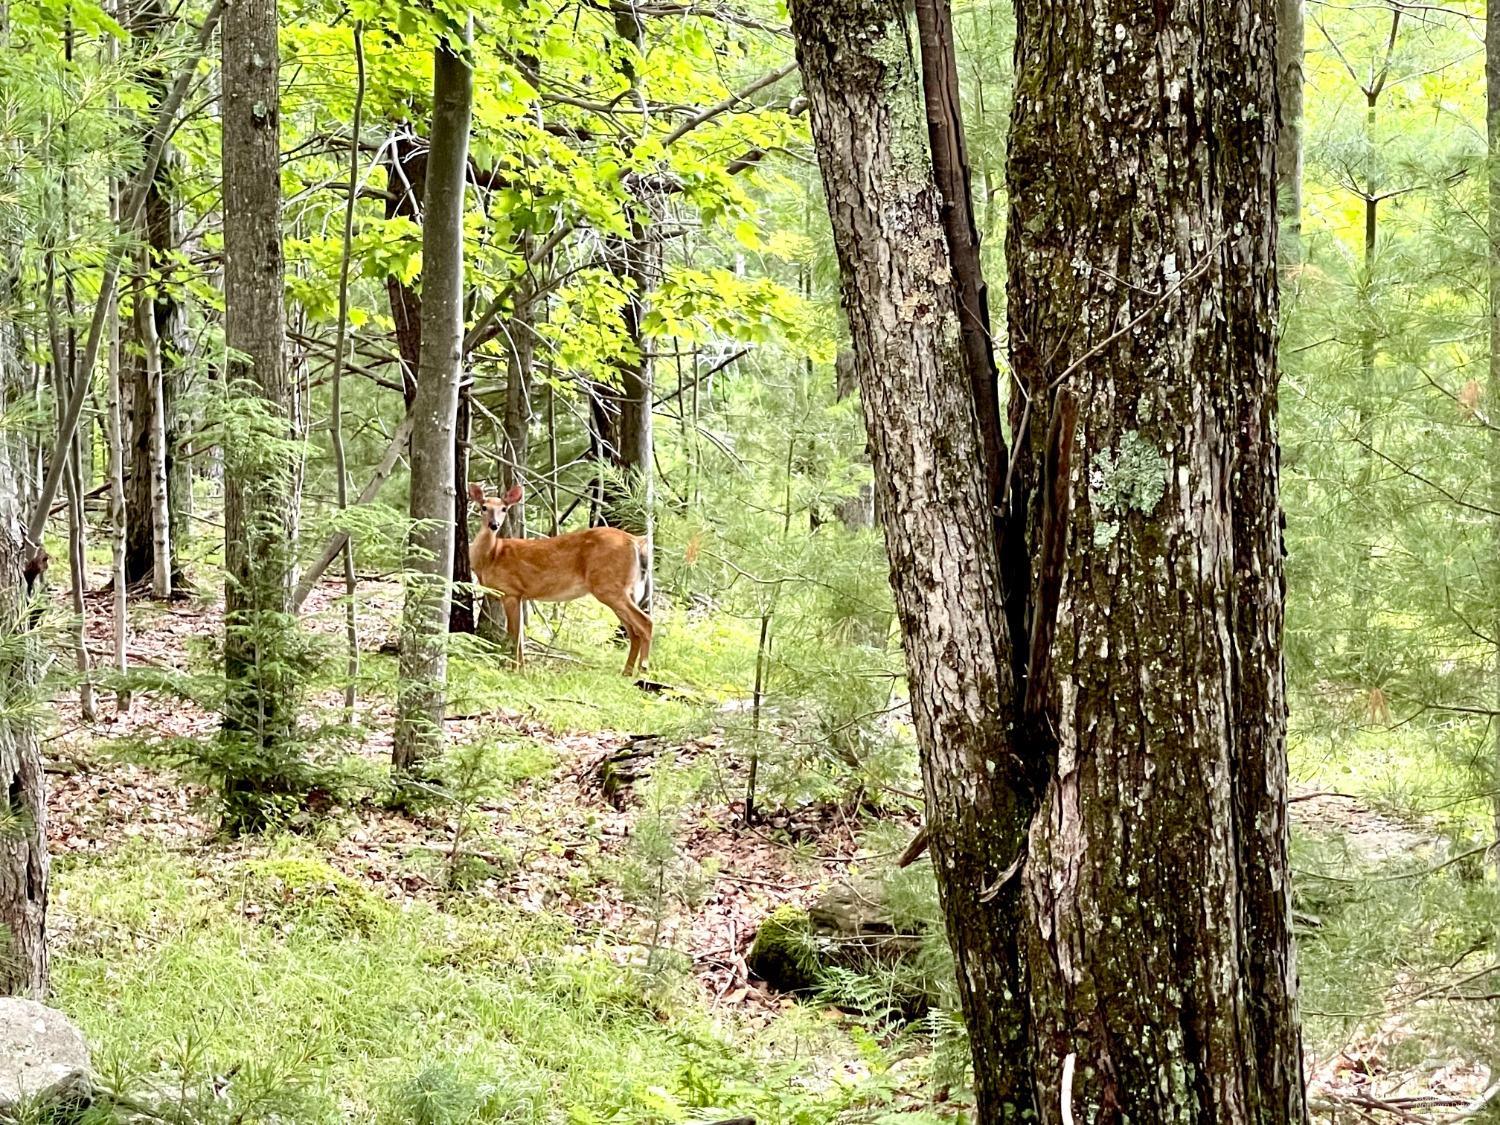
369	1011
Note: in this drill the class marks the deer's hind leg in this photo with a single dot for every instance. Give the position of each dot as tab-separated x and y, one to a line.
638	627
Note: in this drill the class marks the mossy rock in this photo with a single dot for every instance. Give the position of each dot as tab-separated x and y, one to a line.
784	953
847	936
309	893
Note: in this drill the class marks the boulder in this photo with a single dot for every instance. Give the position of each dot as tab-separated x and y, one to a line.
43	1057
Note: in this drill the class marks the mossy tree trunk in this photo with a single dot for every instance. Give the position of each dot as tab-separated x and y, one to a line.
1105	764
1142	287
424	625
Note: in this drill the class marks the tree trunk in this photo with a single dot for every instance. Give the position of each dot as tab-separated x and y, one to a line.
1290	27
424	653
406	186
259	465
926	444
158	448
23	808
462	617
1152	717
1143	146
1492	118
118	517
153	411
406	176
638	261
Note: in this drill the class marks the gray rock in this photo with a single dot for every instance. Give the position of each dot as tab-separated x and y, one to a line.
43	1056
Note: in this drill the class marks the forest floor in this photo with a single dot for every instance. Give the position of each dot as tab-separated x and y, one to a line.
616	919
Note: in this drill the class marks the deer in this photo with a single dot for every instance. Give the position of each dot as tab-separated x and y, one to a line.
603	561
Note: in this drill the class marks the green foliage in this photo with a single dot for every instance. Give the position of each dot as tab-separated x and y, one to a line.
479	1013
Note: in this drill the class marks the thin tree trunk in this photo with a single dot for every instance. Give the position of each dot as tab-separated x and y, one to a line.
461	615
424	651
153	397
1492	118
156	470
1290	26
336	394
118	514
516	436
259	464
926	443
639	263
62	345
406	186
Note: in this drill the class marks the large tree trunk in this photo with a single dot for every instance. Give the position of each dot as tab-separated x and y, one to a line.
424	652
23	809
259	467
1142	286
1152	717
926	444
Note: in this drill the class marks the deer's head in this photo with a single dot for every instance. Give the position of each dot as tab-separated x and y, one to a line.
495	507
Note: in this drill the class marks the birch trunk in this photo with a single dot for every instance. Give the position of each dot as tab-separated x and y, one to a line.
156	468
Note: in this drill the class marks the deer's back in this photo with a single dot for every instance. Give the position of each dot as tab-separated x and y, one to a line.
559	569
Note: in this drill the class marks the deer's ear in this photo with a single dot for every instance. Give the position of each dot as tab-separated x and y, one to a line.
513	497
476	493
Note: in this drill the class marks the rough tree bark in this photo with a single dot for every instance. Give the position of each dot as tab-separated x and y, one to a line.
1141	252
926	442
1151	722
424	652
259	500
23	809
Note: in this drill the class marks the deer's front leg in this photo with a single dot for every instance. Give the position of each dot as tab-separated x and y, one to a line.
515	625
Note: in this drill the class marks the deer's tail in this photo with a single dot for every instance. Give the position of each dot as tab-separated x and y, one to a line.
643	574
